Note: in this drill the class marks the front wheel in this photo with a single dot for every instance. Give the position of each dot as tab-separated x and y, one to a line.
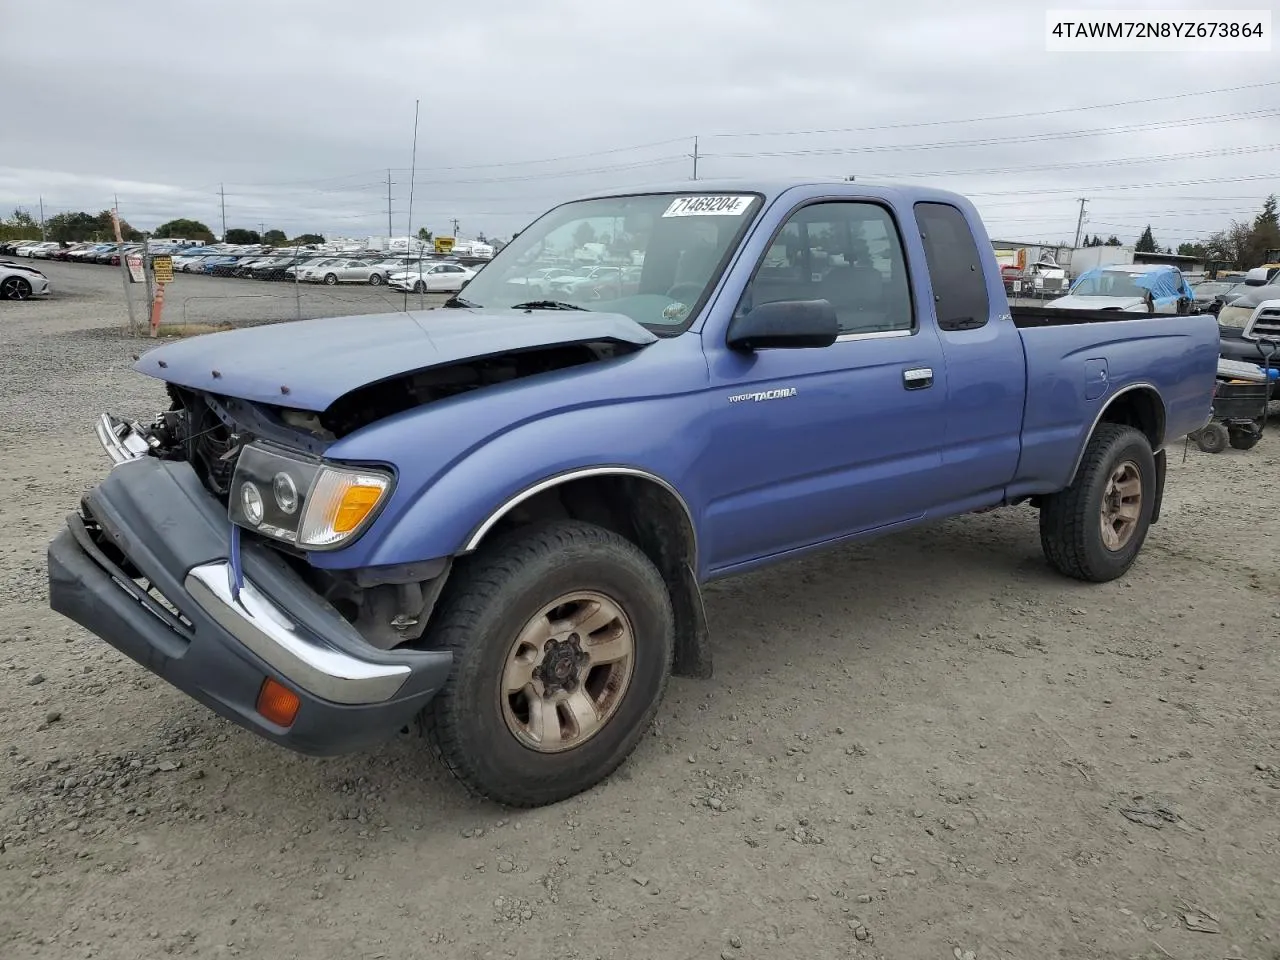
331	279
1094	529
562	636
14	288
419	287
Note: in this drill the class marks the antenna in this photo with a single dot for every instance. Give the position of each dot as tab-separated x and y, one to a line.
413	166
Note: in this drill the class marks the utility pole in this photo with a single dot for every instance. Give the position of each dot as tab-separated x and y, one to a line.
222	192
1079	224
389	204
455	226
42	236
695	158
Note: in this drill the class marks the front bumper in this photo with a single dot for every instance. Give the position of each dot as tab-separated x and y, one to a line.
153	520
1250	351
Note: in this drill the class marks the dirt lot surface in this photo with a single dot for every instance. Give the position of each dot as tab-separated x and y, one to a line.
923	747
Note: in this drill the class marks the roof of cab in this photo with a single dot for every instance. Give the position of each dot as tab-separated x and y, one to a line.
770	189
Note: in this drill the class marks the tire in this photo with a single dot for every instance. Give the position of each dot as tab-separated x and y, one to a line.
375	279
1072	522
476	727
1244	438
331	279
1212	438
419	287
14	288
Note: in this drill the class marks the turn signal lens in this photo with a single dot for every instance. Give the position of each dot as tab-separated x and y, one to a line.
339	504
278	703
357	503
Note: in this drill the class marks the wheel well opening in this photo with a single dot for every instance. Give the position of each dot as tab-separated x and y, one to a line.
654	519
1141	409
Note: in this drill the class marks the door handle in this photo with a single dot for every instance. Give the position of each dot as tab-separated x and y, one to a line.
917	378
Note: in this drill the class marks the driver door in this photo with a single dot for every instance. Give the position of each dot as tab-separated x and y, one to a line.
815	444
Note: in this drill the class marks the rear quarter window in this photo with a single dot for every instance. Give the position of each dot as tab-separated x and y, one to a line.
955	267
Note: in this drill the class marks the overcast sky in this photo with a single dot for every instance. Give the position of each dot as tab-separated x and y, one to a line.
299	109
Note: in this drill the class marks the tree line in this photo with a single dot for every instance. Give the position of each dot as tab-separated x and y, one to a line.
81	227
1240	244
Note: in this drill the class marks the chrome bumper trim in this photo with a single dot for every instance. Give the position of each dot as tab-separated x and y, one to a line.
266	630
122	440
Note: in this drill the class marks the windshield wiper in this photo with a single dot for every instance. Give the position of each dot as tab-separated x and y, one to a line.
546	305
459	302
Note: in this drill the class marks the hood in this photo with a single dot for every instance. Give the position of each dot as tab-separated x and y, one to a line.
1096	303
308	364
1252	296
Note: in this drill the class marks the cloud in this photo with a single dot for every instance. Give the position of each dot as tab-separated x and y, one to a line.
298	111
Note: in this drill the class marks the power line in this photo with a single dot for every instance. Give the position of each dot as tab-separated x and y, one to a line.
1079	164
1016	138
1004	116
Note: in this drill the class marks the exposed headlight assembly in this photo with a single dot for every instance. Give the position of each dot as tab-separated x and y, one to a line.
304	501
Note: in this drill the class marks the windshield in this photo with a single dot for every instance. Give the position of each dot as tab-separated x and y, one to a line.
1108	284
651	257
1210	289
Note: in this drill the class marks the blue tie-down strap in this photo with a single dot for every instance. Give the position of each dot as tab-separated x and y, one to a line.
236	574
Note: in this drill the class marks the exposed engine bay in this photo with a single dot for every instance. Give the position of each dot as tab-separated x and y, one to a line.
390	607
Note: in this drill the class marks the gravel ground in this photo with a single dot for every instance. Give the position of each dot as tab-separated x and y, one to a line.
923	747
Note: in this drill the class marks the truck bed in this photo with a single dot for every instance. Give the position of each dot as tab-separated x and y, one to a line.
1079	361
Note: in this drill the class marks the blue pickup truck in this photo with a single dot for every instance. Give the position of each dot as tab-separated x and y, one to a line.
495	518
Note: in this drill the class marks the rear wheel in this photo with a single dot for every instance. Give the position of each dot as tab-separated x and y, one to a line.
1245	438
14	288
1212	438
562	636
1094	529
375	279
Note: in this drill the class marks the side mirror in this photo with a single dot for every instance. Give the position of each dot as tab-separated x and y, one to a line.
785	324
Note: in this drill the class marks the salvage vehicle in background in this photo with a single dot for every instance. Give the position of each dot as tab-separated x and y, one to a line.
497	517
1211	295
1139	288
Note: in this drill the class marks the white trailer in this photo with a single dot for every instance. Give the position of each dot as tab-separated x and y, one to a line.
1087	258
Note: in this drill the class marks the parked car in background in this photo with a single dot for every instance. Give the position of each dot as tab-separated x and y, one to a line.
21	282
433	278
1210	295
1138	288
386	266
299	270
345	271
275	269
1236	313
90	253
1250	331
188	262
535	282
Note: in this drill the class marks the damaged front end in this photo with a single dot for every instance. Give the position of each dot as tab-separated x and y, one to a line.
266	466
268	473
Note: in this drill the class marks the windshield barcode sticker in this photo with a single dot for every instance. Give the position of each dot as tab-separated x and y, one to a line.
707	206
